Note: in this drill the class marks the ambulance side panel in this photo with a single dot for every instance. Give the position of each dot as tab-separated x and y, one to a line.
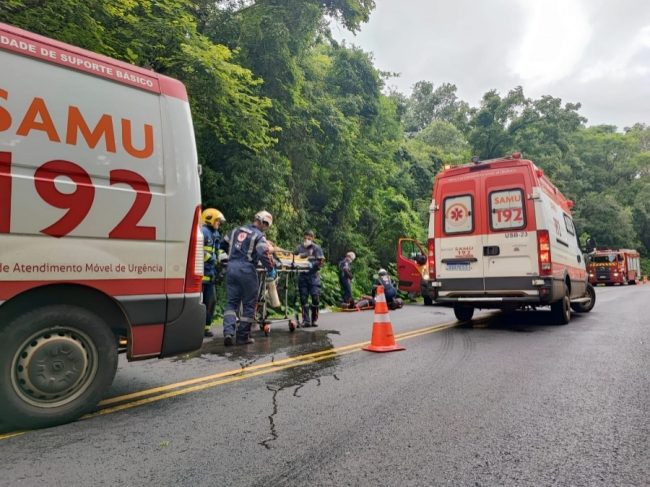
98	169
567	259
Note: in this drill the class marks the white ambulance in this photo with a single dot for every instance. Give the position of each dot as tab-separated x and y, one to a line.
500	236
99	224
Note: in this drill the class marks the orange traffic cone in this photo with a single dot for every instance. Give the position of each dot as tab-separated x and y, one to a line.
382	339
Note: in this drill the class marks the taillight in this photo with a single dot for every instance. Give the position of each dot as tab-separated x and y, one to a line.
544	253
194	269
431	259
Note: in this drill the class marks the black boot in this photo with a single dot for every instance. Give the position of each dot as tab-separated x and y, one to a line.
306	322
314	315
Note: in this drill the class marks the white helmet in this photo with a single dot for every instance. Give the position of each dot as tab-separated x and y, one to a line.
351	255
382	272
264	217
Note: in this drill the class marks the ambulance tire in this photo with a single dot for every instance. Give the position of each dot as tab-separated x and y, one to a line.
463	313
427	300
561	310
589	305
47	346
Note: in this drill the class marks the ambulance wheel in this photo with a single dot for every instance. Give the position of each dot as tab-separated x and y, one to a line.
561	310
463	313
587	306
427	300
56	362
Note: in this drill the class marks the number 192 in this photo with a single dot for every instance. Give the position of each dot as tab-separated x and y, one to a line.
79	202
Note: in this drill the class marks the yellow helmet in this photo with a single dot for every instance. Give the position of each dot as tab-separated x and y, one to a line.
212	215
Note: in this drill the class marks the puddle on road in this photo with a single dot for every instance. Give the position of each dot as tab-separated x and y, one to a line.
278	342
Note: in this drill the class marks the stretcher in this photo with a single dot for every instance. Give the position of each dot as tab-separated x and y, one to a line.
288	266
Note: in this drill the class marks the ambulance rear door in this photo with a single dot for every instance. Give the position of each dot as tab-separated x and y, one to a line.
510	243
459	231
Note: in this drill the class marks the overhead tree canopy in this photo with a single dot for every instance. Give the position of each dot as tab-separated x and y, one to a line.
288	120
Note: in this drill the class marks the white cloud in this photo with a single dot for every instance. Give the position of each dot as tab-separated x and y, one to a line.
555	36
628	62
596	52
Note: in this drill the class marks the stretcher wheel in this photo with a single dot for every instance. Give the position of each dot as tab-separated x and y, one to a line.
267	329
293	324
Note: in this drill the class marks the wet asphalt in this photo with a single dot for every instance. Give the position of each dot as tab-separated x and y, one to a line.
507	400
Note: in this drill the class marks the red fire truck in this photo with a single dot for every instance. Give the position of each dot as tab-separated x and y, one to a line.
614	266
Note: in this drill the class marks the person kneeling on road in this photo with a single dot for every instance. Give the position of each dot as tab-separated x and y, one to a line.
390	292
309	282
247	247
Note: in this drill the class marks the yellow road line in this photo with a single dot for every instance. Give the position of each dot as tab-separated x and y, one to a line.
274	364
268	369
6	436
202	383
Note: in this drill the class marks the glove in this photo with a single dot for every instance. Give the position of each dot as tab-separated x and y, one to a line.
311	265
271	275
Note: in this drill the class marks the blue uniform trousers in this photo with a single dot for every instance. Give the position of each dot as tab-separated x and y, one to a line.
309	285
346	287
210	301
241	289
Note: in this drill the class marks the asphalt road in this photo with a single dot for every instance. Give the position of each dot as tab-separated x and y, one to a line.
508	400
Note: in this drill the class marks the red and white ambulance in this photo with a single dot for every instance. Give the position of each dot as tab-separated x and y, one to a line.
99	224
501	236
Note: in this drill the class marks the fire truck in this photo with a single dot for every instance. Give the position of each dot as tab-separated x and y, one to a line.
614	266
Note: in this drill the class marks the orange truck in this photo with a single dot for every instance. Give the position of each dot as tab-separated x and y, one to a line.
614	266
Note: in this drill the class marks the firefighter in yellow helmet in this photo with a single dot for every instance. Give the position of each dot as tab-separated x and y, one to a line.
212	219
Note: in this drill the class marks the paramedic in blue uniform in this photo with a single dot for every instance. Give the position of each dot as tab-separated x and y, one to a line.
248	246
390	292
345	278
309	282
212	219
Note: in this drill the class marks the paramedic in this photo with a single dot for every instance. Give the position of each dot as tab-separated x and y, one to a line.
345	277
309	282
248	246
212	219
390	292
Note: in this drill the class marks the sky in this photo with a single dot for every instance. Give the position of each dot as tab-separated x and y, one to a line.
596	52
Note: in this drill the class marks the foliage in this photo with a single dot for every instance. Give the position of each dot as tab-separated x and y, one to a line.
288	120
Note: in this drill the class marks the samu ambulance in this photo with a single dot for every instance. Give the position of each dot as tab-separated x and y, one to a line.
99	224
501	236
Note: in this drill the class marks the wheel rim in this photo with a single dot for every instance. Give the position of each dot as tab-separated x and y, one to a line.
54	367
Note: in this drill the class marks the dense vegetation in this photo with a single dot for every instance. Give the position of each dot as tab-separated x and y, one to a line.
289	120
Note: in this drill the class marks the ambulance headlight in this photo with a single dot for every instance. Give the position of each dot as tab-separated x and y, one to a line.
591	274
615	274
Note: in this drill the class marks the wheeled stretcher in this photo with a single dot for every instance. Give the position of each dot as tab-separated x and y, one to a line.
276	294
